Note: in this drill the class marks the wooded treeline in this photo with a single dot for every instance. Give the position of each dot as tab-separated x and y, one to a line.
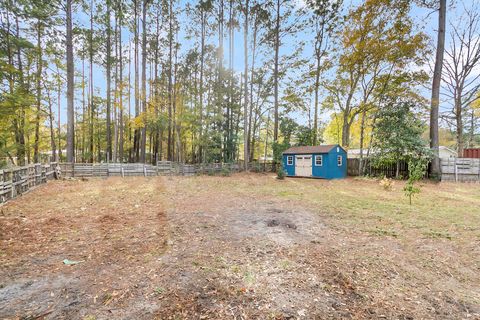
218	80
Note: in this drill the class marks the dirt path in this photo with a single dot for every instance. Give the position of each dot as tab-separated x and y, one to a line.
197	248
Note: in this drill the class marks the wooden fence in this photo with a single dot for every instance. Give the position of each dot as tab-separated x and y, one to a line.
18	180
139	169
371	169
460	169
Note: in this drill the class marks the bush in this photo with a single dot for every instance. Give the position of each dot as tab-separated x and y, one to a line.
280	173
257	167
225	172
386	183
416	171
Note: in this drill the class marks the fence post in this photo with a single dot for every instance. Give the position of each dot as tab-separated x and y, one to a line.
455	170
478	163
13	184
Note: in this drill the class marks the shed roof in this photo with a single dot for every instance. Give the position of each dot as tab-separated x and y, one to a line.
310	149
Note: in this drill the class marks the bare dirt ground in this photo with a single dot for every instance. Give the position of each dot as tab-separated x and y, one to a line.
241	247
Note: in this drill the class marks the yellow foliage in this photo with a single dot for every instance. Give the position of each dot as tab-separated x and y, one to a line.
333	131
139	122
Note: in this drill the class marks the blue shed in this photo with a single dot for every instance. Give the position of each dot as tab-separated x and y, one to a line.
325	161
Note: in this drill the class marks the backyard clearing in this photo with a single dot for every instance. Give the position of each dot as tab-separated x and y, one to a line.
246	246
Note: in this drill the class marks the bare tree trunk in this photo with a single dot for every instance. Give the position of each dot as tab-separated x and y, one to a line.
36	156
220	97
131	149
51	121
437	77
176	125
346	131
144	81
156	146
459	121
70	86
317	89
250	137
19	120
362	139
116	98
202	66
275	79
109	93
59	132
90	82
120	96
136	137
230	147
266	142
245	101
471	135
170	83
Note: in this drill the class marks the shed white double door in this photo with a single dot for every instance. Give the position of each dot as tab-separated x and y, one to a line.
303	166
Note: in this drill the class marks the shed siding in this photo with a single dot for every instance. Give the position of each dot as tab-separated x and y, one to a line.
289	169
337	172
321	171
329	168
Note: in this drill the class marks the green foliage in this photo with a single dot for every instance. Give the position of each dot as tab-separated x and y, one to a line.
304	136
416	171
278	149
281	173
225	172
398	135
257	167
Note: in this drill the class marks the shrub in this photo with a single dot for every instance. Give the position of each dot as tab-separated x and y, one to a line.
257	167
387	184
416	171
225	172
280	173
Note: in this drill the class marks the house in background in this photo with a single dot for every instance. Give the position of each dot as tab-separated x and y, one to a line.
325	161
444	153
355	153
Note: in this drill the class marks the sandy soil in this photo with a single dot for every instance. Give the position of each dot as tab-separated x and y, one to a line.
217	248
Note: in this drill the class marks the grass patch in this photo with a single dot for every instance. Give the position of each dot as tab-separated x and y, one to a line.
383	233
249	278
437	235
158	291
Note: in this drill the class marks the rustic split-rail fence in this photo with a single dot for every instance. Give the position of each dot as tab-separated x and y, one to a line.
163	168
19	180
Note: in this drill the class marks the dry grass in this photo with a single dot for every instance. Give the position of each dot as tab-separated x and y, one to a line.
246	246
441	209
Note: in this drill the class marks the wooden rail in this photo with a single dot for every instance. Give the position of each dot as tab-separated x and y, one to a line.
162	168
460	169
19	180
369	168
